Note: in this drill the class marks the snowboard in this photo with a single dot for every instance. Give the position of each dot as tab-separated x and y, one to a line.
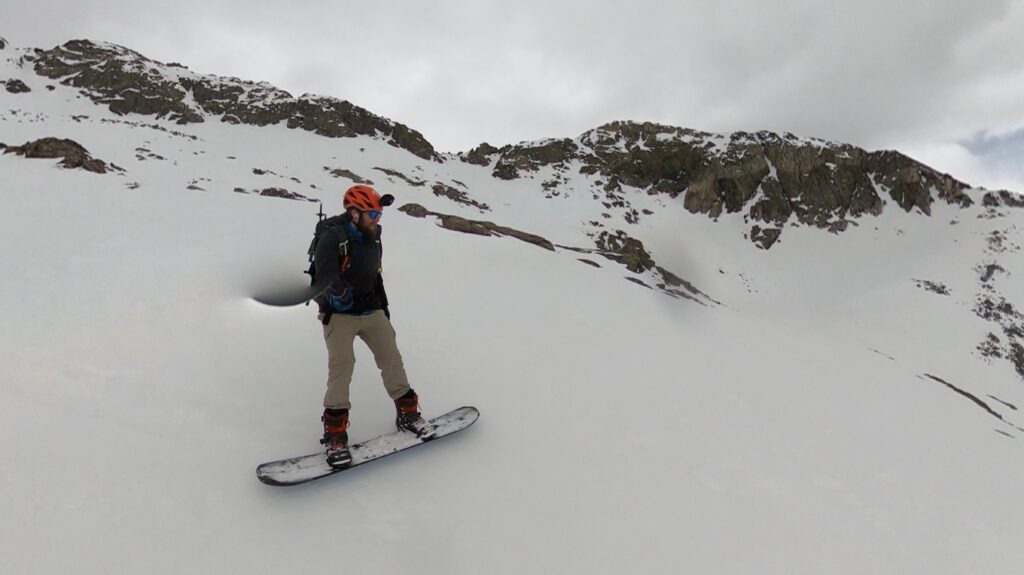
298	470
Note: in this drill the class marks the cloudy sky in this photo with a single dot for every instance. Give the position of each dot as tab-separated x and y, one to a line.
941	80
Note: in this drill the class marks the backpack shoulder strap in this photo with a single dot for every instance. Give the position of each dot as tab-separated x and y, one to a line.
335	226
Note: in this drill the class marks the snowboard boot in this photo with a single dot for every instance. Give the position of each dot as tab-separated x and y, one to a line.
408	416
336	437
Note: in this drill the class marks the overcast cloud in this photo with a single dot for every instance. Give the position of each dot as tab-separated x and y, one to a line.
940	80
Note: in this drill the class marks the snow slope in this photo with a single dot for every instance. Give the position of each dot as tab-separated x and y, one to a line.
792	429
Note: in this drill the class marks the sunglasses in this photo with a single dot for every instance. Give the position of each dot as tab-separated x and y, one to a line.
374	214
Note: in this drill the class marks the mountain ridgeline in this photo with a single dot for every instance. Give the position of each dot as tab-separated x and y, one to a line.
619	176
772	180
129	83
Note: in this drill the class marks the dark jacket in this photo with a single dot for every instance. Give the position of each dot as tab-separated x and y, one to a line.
348	269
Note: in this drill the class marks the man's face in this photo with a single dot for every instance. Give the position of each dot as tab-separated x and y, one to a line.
365	219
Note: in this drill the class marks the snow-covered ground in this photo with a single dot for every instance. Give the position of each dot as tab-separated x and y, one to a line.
791	429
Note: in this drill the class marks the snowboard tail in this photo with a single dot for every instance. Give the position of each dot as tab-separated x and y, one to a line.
298	470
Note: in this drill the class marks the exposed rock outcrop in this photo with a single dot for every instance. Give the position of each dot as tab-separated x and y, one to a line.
343	173
1003	199
276	193
515	159
443	191
16	87
773	180
283	193
992	305
129	83
631	253
73	155
628	251
476	227
933	287
480	155
401	176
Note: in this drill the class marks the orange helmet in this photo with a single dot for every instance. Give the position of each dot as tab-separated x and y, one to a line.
362	198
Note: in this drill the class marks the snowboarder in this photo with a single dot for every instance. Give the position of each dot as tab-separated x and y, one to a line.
347	263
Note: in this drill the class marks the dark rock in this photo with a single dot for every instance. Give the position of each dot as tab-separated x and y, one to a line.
778	180
765	237
72	153
999	242
638	281
990	348
283	193
677	286
342	173
625	250
3	43
458	196
415	210
995	308
630	252
129	83
120	78
977	401
17	87
460	224
933	287
1003	199
479	155
403	177
1016	356
990	270
475	227
1006	403
514	160
649	156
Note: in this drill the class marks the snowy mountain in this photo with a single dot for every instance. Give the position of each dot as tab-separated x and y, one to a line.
815	365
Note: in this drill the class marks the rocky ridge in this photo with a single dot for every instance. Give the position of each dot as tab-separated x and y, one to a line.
129	83
774	180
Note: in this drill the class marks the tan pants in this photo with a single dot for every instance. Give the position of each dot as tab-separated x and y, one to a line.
374	329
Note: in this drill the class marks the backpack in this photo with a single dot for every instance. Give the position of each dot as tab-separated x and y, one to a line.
324	225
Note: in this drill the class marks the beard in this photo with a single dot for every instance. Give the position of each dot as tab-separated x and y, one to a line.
370	231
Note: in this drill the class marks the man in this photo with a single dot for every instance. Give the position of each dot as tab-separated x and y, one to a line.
352	302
